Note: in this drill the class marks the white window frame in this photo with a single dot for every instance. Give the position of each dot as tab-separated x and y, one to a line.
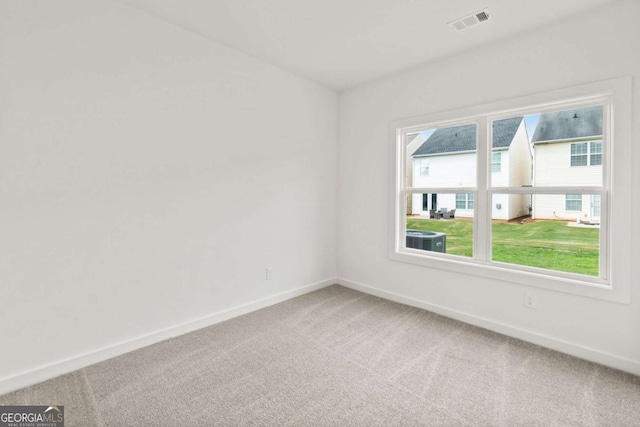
614	283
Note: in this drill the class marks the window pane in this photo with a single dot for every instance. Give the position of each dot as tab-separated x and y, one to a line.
444	223
557	240
560	153
579	154
579	160
595	208
442	157
573	202
596	154
496	162
579	149
464	201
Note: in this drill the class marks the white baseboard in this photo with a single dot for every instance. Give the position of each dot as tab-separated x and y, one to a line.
562	346
52	370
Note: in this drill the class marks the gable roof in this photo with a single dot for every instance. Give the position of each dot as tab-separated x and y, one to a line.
463	138
569	124
504	130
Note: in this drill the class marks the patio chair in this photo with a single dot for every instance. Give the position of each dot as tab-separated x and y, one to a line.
449	214
432	213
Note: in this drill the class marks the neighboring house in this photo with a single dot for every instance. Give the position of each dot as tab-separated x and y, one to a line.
448	159
568	151
415	141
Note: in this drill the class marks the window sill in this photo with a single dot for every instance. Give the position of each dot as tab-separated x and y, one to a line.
588	287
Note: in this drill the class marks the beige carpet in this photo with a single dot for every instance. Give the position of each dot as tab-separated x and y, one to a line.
337	357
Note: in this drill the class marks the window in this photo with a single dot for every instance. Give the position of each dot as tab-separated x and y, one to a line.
595	208
586	154
519	225
464	201
496	162
424	171
595	156
579	154
573	202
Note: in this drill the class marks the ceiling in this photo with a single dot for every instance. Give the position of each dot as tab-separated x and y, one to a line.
343	43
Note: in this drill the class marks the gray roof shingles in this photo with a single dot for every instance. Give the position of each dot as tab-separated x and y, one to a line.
569	124
463	138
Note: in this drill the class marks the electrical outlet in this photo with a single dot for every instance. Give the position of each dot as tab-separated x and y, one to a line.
530	300
269	273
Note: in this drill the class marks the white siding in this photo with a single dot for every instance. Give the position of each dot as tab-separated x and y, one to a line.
415	143
552	167
553	206
520	163
500	203
453	170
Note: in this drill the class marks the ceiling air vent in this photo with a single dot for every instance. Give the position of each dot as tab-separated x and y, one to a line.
470	20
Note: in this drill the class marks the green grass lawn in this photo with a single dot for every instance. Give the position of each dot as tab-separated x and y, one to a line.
546	244
459	233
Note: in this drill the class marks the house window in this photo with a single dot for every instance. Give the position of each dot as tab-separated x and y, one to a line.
496	162
579	154
595	208
424	171
573	202
464	201
586	154
595	155
481	239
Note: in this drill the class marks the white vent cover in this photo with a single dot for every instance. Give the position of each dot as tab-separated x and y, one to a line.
470	20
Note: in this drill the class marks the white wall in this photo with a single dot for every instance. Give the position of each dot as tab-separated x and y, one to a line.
559	56
148	176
